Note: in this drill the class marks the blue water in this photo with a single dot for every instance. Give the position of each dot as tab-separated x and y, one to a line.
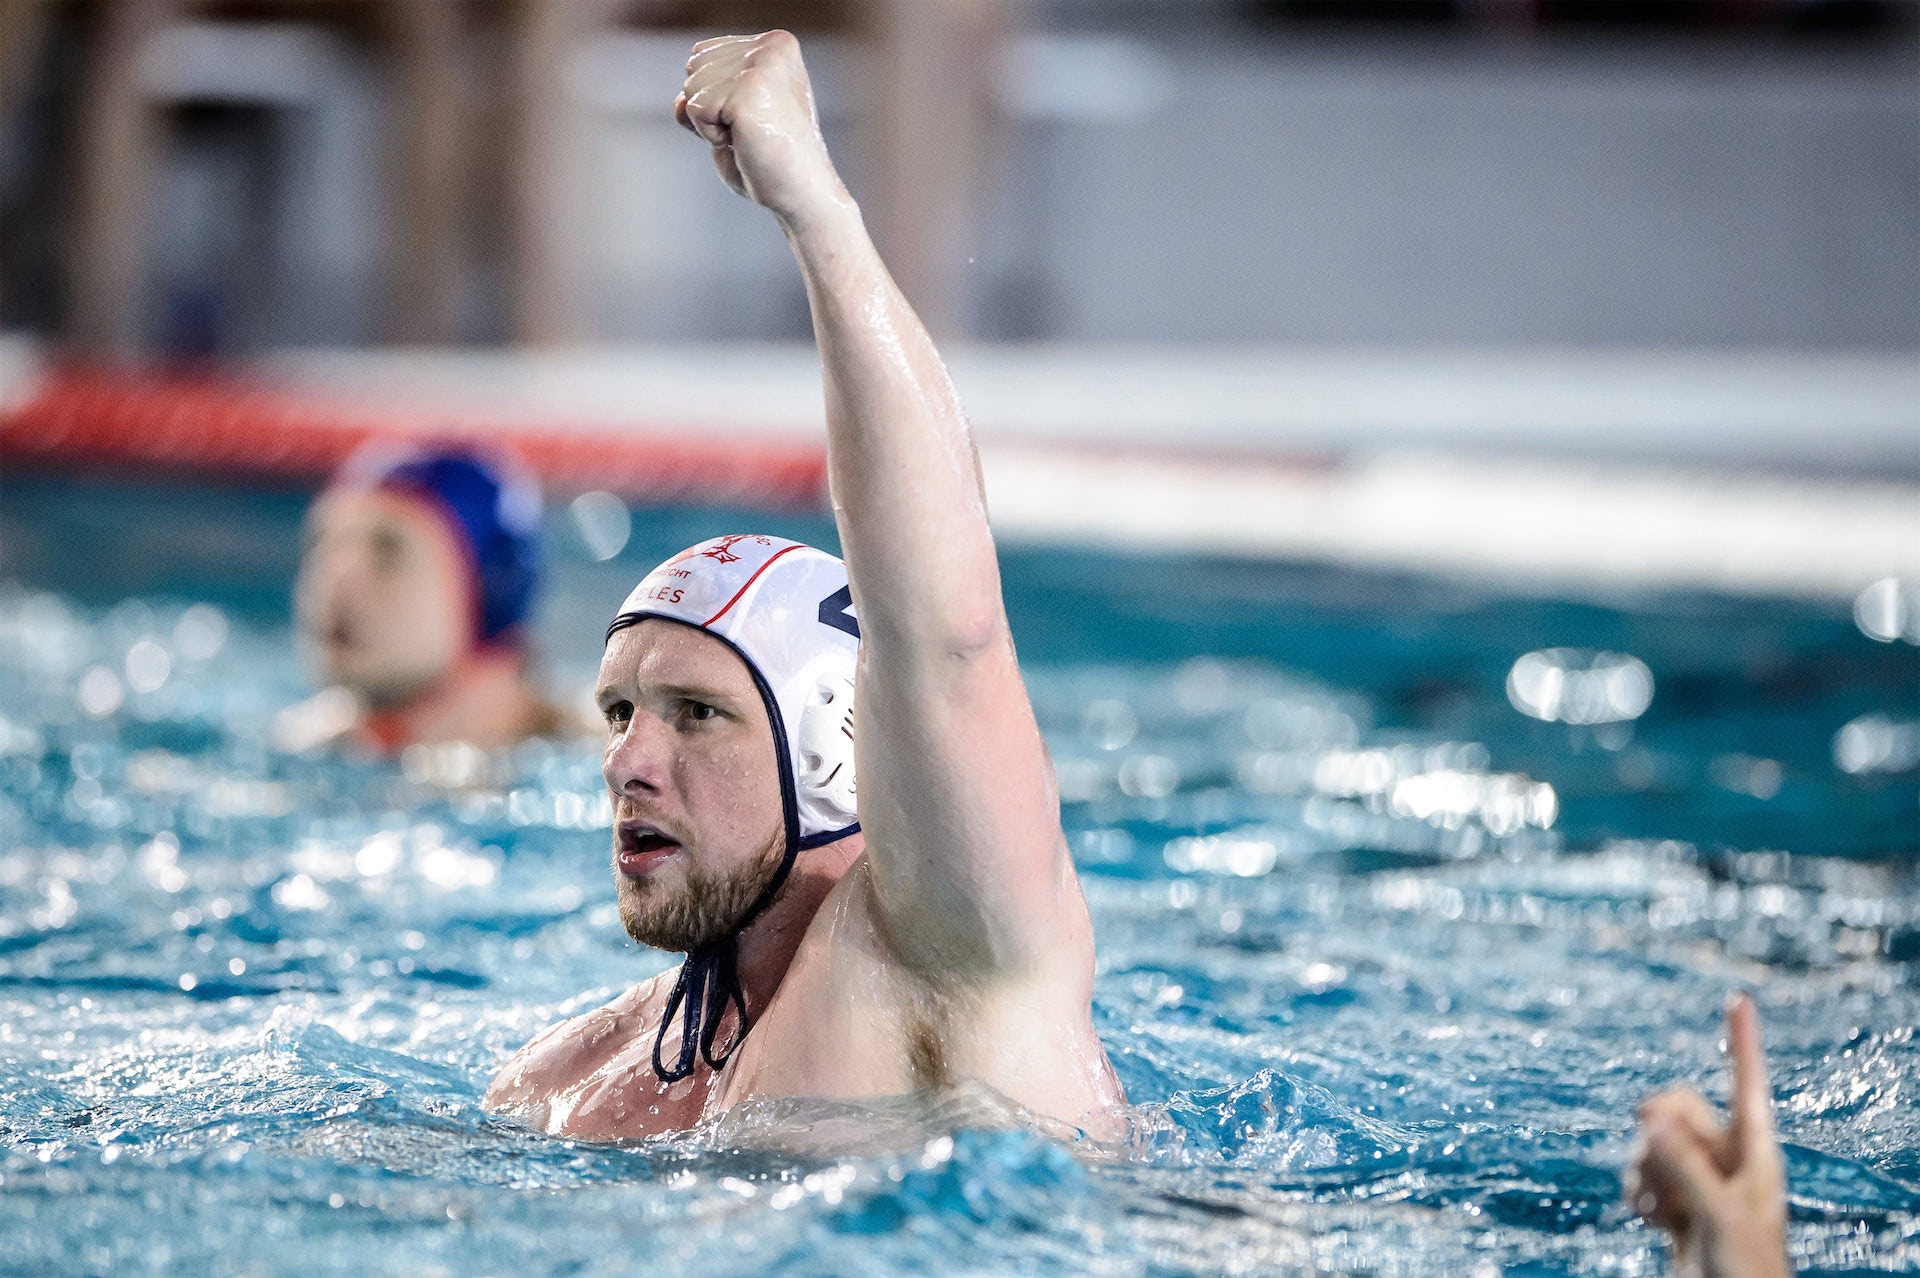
1384	962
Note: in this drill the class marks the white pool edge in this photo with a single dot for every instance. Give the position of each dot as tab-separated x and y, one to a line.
1770	473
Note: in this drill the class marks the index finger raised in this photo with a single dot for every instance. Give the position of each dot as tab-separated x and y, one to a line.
1752	1093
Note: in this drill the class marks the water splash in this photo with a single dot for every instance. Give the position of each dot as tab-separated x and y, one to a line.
1380	1007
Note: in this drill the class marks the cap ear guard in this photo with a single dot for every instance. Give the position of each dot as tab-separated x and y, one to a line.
826	785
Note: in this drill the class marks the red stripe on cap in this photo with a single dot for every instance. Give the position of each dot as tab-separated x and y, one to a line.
743	589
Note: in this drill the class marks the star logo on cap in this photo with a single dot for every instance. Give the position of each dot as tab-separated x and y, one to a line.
722	550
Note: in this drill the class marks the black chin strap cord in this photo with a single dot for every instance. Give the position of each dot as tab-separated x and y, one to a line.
710	978
708	981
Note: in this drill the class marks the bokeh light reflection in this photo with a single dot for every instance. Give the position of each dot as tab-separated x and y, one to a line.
1571	685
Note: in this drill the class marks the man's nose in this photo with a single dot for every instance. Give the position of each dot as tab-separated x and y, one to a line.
636	759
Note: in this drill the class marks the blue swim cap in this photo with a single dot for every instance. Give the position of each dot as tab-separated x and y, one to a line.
489	500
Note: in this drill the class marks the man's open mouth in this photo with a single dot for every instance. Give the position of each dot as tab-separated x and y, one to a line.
639	847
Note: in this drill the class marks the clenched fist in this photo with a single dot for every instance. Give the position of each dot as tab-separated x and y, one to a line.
748	96
1719	1191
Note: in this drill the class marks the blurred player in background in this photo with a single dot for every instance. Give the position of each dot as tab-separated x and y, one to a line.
419	571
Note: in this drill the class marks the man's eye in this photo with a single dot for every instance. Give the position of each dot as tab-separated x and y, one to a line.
389	548
618	713
700	711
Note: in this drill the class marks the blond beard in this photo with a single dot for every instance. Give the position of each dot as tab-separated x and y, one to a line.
707	909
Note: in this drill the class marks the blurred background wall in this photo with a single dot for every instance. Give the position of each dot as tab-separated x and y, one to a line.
1573	293
185	179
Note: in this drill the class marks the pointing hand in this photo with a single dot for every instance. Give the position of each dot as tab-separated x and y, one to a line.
1719	1191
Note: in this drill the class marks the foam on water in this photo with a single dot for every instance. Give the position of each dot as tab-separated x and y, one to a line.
1385	995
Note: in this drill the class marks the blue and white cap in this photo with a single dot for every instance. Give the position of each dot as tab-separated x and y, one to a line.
786	609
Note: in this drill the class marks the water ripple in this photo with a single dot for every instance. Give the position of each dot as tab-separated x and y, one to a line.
1384	996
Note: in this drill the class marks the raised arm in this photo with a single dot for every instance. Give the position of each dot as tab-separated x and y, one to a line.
956	794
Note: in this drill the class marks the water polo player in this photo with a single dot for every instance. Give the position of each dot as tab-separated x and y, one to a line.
920	927
874	894
420	566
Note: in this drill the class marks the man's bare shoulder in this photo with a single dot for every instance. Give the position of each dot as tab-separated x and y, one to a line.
568	1051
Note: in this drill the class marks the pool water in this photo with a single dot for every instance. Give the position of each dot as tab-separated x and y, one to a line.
1384	961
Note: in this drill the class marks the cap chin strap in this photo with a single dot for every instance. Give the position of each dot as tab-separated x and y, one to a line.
709	979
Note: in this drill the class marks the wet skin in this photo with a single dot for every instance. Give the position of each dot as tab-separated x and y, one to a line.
952	945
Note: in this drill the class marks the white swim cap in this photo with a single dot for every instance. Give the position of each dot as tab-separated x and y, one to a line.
787	610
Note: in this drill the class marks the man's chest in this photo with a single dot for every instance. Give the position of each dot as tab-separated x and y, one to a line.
830	1030
844	1022
838	1027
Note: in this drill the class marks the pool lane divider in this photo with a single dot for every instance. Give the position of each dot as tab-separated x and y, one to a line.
1539	522
84	418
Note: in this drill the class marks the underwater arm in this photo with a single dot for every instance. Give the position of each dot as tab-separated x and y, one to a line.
956	794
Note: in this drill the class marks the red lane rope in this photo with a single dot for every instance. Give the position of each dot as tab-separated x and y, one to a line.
88	417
